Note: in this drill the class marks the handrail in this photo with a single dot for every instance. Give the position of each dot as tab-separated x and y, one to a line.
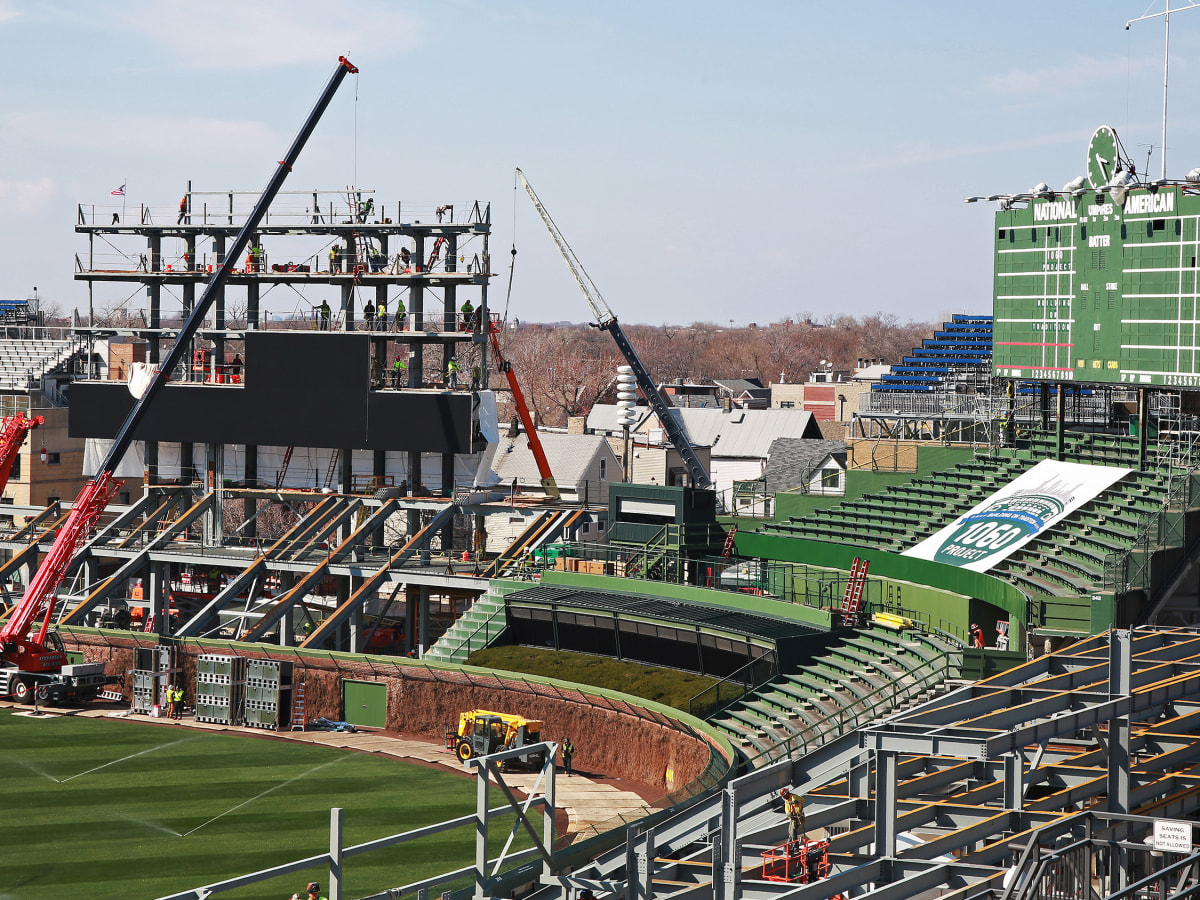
747	685
888	695
1116	575
496	613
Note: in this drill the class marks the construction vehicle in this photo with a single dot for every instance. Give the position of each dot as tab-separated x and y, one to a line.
535	443
481	732
31	655
607	321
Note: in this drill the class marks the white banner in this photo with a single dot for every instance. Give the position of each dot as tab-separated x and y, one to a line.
1017	513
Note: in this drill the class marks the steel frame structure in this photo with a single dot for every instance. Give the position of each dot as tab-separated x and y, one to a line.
1081	749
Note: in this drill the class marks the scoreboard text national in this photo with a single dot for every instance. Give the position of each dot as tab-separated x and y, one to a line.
1098	283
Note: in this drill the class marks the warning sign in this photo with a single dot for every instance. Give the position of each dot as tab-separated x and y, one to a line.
1173	837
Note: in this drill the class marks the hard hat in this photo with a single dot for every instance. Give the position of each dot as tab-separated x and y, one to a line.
784	792
314	887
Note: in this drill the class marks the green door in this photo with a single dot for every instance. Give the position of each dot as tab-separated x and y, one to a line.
365	703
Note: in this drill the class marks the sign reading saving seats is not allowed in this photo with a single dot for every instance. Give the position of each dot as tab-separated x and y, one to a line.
1026	507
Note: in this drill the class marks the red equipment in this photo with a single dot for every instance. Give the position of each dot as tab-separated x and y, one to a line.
852	599
802	860
16	429
25	659
535	443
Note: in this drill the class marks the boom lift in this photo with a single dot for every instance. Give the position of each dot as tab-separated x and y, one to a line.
16	429
535	442
606	321
30	661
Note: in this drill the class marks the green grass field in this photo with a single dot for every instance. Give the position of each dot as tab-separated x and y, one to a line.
671	687
102	809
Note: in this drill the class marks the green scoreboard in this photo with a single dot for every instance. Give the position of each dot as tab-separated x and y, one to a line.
1098	284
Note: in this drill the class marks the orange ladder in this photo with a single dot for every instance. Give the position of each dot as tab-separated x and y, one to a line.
852	600
727	550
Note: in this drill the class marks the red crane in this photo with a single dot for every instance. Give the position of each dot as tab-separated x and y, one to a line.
16	429
535	443
29	660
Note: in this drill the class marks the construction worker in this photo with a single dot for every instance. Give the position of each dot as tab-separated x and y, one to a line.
399	372
314	891
976	636
335	258
324	312
369	315
183	210
401	314
794	807
568	755
405	258
453	370
381	317
468	316
476	378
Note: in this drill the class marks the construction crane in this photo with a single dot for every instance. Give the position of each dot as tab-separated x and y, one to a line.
16	429
30	661
607	321
535	442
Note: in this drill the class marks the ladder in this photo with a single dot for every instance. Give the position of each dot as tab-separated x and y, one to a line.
299	716
437	246
727	550
331	472
362	253
287	458
852	600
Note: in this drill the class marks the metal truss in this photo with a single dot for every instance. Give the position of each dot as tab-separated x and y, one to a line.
1055	768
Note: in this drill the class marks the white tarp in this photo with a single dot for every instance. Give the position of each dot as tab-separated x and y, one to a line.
489	424
140	376
1017	513
130	466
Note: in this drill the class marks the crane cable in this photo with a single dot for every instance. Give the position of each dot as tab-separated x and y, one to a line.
512	263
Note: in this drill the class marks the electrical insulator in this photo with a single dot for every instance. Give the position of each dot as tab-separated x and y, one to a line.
626	396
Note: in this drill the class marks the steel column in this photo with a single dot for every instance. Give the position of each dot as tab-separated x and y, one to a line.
885	803
335	853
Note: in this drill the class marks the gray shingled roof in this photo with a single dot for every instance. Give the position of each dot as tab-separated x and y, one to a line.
569	456
791	461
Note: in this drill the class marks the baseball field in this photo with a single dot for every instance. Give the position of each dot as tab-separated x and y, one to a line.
103	808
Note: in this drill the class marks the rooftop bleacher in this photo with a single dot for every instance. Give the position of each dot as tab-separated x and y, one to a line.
1074	559
962	346
25	361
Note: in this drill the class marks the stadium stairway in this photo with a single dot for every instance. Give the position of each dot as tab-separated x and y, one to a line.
475	629
862	676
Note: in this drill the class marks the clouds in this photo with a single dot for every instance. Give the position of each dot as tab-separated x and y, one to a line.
1065	80
266	34
25	197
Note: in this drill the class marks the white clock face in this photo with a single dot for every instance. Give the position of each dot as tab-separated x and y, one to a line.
1102	157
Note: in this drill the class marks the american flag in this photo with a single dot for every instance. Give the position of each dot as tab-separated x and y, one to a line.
119	192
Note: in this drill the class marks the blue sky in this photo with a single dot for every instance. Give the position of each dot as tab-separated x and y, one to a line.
706	161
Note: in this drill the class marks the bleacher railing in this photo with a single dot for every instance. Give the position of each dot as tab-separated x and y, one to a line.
488	630
882	701
735	685
771	579
1133	569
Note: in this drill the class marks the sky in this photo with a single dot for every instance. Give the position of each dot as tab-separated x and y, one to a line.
706	162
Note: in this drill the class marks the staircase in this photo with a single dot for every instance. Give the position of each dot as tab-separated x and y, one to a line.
475	629
859	678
